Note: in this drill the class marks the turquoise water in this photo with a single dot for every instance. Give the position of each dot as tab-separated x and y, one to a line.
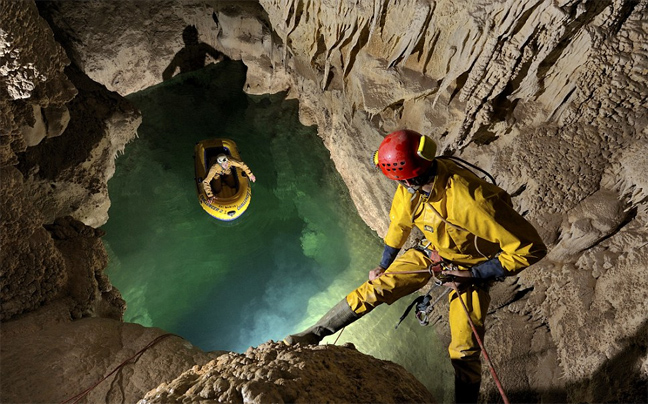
298	249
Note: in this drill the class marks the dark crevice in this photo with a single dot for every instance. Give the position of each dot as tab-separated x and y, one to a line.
420	46
523	19
625	13
433	43
632	214
596	7
317	61
459	84
329	78
503	107
563	102
519	191
519	295
515	83
483	136
383	15
363	38
420	42
55	155
299	13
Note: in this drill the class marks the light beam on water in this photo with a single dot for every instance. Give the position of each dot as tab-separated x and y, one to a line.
298	249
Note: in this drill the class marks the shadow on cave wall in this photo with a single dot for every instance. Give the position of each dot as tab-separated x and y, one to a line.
193	55
619	380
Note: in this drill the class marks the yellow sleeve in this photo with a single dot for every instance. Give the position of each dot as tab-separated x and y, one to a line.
242	166
206	182
490	215
400	219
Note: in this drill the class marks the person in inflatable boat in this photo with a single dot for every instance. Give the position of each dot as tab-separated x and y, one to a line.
221	171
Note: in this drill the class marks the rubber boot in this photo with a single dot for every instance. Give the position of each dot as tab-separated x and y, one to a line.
337	318
466	392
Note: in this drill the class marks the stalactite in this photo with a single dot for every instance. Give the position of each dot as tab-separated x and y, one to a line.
415	31
377	12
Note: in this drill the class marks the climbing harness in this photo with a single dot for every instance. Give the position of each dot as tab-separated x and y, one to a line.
423	306
422	303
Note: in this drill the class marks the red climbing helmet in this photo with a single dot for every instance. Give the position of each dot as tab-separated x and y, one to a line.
405	154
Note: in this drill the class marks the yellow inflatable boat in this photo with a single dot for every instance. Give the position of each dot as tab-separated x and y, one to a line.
230	203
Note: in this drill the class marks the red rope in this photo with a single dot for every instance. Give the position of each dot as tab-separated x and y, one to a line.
472	325
79	396
338	337
474	330
481	345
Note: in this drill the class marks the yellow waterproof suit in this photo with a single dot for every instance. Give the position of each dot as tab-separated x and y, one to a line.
217	171
468	221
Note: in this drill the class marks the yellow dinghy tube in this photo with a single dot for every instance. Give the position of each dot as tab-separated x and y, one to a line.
230	203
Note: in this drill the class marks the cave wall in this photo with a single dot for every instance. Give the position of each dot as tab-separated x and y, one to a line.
61	317
53	182
549	96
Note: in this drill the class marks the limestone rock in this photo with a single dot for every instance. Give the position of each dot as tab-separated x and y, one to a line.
85	260
130	57
63	358
23	69
276	373
547	97
33	270
36	268
68	175
31	80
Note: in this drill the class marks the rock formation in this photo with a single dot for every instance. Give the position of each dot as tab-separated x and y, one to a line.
549	96
283	374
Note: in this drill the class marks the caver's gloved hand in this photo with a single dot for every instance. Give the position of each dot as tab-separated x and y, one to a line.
376	272
487	270
389	255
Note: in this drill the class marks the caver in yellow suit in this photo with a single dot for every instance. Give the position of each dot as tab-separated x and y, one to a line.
222	169
469	222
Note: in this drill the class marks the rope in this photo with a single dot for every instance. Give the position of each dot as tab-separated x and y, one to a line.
339	335
85	392
472	325
481	345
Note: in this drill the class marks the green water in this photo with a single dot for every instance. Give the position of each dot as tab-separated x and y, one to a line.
298	249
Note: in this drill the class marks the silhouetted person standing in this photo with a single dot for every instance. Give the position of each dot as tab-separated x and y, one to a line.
192	56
